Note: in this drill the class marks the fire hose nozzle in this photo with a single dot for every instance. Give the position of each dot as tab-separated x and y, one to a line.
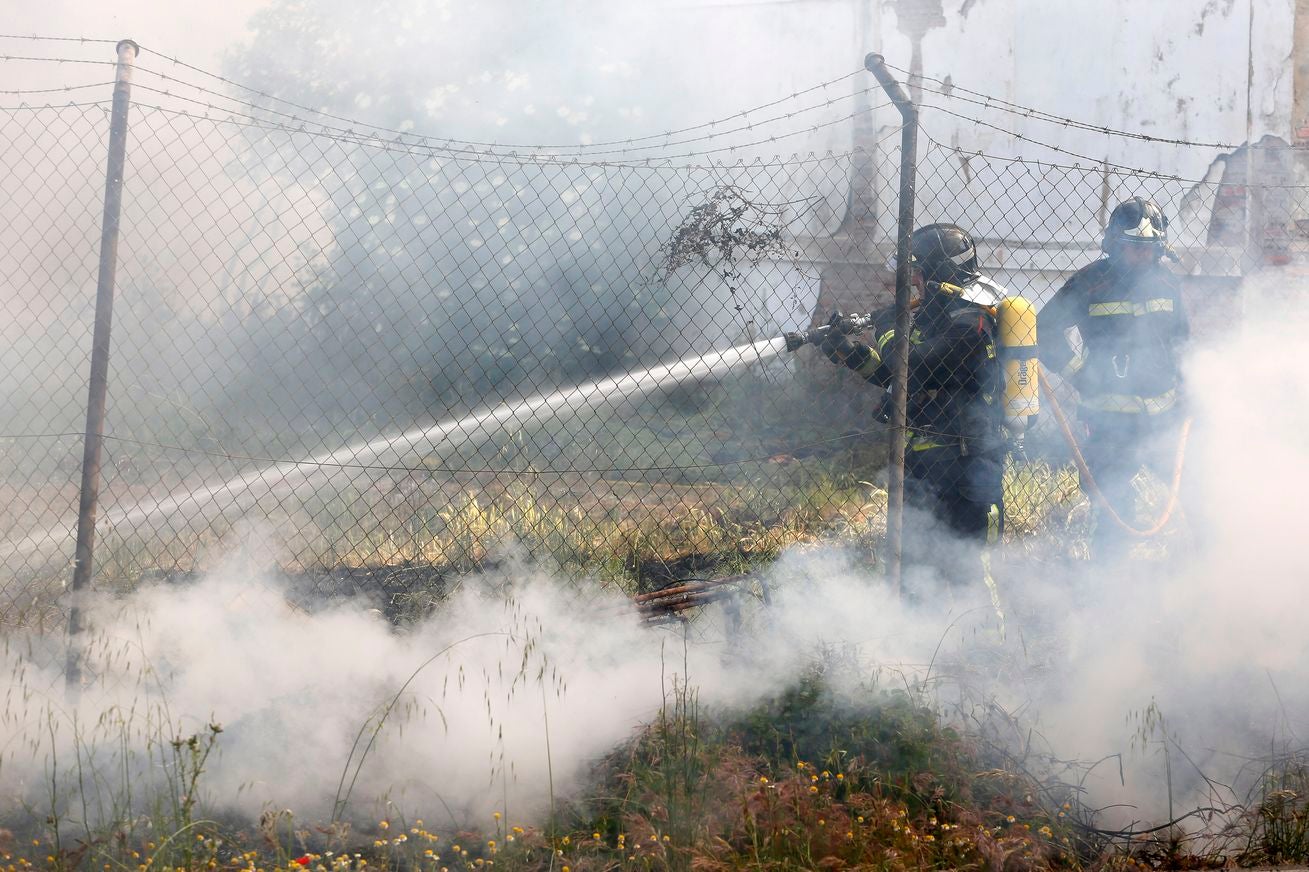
796	340
846	325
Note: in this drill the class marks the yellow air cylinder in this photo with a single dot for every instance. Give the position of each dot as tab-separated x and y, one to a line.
1017	324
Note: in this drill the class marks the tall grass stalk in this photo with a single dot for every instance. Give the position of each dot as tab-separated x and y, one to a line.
343	790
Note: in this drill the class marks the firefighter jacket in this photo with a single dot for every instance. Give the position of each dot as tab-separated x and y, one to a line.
954	390
1131	324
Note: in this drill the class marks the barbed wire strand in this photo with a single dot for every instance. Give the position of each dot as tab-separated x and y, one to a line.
1094	161
575	152
394	131
948	89
46	59
38	38
19	91
1094	164
412	150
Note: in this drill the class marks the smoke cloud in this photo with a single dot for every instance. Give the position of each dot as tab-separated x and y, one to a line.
1184	668
1208	639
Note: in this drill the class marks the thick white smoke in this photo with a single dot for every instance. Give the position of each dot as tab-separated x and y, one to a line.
1211	640
1184	666
294	690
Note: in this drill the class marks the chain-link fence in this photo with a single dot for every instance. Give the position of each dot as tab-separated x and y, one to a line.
397	359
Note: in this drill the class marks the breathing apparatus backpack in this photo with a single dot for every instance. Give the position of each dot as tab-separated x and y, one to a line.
1015	320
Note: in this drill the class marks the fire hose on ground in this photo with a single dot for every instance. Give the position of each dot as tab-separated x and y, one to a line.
1093	488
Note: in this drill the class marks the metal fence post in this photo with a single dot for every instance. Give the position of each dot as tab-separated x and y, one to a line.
876	65
99	379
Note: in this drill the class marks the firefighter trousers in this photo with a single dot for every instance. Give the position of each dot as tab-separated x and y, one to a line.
1117	447
954	509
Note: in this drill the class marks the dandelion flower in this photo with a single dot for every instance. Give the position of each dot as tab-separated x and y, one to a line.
496	815
595	836
813	788
1010	818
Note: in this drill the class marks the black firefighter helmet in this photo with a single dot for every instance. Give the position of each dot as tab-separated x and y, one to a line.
944	252
1137	221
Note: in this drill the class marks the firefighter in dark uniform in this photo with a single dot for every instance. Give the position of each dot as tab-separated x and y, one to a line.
955	448
1128	311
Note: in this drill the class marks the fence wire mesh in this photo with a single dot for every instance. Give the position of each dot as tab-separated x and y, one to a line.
397	359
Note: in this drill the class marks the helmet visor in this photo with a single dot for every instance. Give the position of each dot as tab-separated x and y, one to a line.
1142	222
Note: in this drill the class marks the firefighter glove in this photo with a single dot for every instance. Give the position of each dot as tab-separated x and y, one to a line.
838	347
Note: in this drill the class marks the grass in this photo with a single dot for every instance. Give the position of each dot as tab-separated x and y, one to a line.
607	528
832	771
815	777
